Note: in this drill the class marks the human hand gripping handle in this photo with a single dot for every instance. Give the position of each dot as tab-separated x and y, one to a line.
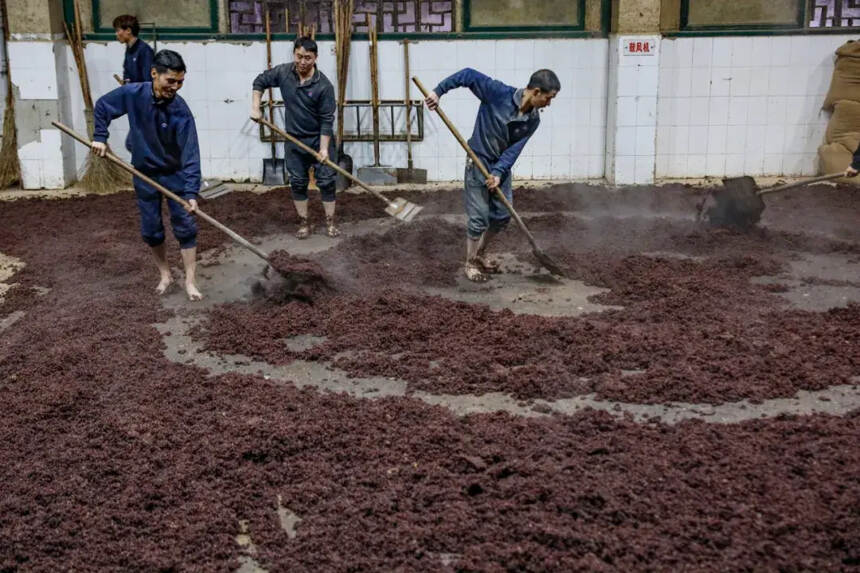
99	148
432	100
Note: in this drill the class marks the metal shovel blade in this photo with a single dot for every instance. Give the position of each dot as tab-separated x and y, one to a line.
344	161
738	204
273	172
212	188
402	209
548	263
406	175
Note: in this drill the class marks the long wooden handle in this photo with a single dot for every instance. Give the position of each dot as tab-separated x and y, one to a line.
165	191
328	162
408	105
779	188
269	67
479	164
374	88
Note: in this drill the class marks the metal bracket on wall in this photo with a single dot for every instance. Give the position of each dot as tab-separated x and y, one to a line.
355	132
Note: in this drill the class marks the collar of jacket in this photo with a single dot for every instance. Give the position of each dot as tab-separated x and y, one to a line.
518	100
314	78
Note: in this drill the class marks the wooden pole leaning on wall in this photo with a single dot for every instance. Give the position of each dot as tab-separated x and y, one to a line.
99	175
374	87
10	166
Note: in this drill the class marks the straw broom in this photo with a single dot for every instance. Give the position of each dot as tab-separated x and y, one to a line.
10	168
99	175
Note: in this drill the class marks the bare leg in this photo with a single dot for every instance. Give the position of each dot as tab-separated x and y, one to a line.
330	228
304	224
487	265
160	252
189	260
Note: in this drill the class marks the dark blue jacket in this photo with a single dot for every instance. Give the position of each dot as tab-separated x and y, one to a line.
138	63
308	108
501	131
163	134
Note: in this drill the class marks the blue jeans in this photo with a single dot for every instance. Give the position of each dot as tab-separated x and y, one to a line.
483	207
299	162
149	204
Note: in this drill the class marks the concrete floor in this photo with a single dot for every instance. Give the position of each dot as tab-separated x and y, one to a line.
229	278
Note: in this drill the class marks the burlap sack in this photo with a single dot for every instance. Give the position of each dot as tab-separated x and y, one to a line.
844	125
845	83
833	157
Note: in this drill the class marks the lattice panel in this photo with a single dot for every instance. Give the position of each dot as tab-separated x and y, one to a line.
835	14
417	16
410	16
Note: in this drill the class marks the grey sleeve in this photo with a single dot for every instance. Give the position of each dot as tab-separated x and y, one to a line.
327	109
268	79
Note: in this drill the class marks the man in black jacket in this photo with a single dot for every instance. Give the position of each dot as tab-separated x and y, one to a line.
309	108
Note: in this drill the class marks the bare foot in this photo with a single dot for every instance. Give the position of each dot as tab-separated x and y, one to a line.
474	273
164	284
488	266
193	293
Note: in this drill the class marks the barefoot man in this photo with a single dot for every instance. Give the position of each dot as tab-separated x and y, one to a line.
309	108
507	118
164	147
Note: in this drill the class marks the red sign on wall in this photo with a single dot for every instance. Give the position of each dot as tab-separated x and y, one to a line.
640	47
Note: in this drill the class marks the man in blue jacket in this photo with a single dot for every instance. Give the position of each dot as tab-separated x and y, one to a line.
164	147
138	54
506	120
309	108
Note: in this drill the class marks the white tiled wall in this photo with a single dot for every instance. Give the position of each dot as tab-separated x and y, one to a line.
34	69
568	144
631	113
742	105
724	106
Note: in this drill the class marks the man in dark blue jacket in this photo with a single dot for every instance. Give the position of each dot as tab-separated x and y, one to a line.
164	147
506	120
138	54
309	107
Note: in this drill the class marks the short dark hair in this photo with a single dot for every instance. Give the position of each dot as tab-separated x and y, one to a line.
305	42
168	60
127	22
544	80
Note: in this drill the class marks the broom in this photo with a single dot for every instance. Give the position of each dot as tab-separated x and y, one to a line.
10	169
99	175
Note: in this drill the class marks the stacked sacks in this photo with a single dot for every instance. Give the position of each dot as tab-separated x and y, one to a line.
843	99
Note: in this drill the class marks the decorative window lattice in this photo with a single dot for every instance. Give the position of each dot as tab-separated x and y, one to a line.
835	14
411	16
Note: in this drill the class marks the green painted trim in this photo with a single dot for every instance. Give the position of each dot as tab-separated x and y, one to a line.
171	35
606	17
771	32
468	27
799	21
108	33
